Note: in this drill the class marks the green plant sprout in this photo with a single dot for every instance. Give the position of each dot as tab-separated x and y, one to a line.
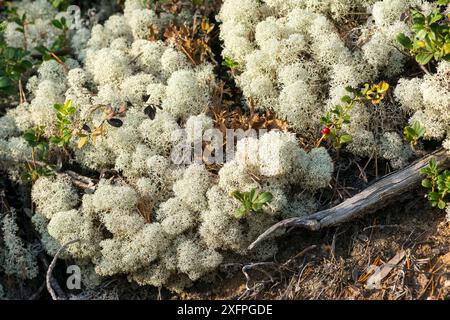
64	112
413	133
431	39
229	63
334	120
437	182
38	165
252	201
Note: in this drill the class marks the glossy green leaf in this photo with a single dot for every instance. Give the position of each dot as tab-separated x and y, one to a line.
424	58
404	41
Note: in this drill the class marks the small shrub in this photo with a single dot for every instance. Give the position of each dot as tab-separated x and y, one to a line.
431	38
37	166
251	201
63	115
334	120
437	183
414	132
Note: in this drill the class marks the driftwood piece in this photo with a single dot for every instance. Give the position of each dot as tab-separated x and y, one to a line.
371	199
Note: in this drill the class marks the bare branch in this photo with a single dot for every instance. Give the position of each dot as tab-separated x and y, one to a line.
49	277
375	197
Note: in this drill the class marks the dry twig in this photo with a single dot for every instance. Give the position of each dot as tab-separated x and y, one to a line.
49	277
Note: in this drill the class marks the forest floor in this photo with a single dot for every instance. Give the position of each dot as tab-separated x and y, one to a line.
407	244
408	240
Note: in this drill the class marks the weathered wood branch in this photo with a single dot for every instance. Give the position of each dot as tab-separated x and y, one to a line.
83	182
374	197
49	277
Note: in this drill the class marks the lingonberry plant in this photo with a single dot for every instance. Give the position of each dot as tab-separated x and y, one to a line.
13	62
59	50
431	39
64	113
437	182
38	165
334	120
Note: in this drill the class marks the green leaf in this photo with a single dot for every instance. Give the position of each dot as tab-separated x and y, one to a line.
29	137
421	33
58	107
57	24
418	129
253	195
240	212
229	63
264	197
435	17
434	196
441	204
404	41
426	183
41	49
345	138
27	64
10	53
55	140
346	99
350	89
432	163
71	110
238	195
257	207
5	82
424	58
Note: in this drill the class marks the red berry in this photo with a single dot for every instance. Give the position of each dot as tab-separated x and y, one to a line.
325	131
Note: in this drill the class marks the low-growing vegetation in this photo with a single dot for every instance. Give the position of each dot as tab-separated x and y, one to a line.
159	139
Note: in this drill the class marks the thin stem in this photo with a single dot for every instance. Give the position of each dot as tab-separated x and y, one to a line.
425	69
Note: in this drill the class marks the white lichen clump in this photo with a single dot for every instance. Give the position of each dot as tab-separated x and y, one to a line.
39	30
156	222
292	58
17	259
427	100
164	224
